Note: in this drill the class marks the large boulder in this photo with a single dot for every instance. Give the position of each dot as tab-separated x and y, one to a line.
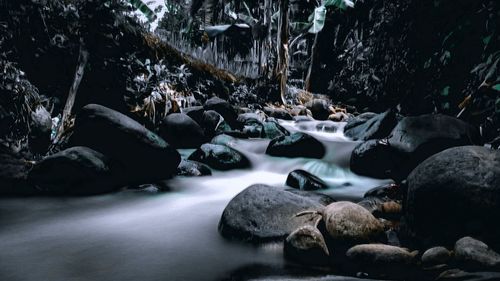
188	168
225	109
319	108
296	145
272	130
220	157
74	171
377	127
412	141
453	194
180	131
143	155
263	213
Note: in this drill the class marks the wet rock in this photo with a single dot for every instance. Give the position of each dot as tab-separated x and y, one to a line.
373	158
327	126
300	110
436	256
189	168
377	127
380	260
319	108
220	157
253	131
454	193
278	113
315	196
223	139
296	145
307	245
74	171
41	129
349	222
225	109
389	191
180	131
304	180
262	213
273	130
195	112
359	119
472	254
143	155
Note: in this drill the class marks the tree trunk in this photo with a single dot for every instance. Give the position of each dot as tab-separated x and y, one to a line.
282	64
83	57
313	63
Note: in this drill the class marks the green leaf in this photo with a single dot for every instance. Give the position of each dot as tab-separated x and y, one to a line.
143	8
496	87
487	39
318	20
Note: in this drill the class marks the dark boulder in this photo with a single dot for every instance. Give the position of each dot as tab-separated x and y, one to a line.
190	168
74	171
225	109
296	145
195	112
304	180
143	155
453	194
377	127
220	157
211	121
250	118
412	141
264	213
180	131
319	108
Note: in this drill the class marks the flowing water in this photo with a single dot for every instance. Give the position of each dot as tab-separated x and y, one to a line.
165	236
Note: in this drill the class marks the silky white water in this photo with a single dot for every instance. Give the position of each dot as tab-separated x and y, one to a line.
135	235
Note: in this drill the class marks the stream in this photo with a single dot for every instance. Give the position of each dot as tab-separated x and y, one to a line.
145	235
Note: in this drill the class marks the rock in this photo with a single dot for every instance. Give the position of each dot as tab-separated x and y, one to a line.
296	145
225	109
223	139
359	119
390	191
373	158
143	155
436	256
211	121
338	117
377	127
40	130
303	180
273	130
253	131
351	223
263	213
278	113
412	141
454	193
195	112
472	254
189	168
315	196
307	245
319	108
381	260
74	171
299	110
220	157
250	118
180	131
